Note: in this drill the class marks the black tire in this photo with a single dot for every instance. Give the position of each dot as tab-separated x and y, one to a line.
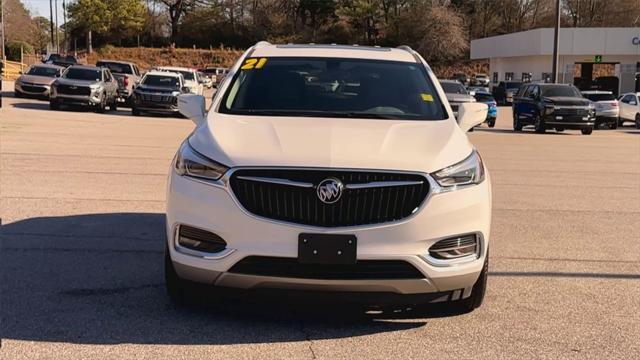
586	131
539	125
476	298
100	108
517	125
620	122
637	121
53	104
492	123
180	291
17	94
114	105
613	125
559	129
135	111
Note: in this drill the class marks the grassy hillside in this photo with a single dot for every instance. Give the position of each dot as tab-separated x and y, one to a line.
146	58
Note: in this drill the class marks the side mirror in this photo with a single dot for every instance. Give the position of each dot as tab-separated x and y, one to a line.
186	90
471	114
193	107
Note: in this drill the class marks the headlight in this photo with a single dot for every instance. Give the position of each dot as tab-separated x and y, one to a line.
467	172
190	163
175	93
94	87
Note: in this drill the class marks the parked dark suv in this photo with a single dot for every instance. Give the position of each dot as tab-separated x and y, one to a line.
549	106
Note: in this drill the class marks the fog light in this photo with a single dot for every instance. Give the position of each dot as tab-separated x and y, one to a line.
455	248
200	240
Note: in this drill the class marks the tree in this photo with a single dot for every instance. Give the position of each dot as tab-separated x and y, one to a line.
41	33
117	18
176	9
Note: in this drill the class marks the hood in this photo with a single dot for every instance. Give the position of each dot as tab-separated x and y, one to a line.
566	100
458	98
191	83
35	79
327	142
63	81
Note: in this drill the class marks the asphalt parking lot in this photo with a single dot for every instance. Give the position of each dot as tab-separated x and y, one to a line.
82	202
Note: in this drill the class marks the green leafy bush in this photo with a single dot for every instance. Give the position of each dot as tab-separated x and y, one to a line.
106	50
13	49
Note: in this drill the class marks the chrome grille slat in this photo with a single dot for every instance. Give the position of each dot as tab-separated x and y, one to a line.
276	194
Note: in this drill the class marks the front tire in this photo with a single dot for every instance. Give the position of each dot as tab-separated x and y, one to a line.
178	289
114	105
539	124
477	293
586	131
53	104
613	125
637	121
103	104
492	123
135	111
517	125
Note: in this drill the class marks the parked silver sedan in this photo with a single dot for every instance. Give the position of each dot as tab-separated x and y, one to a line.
37	80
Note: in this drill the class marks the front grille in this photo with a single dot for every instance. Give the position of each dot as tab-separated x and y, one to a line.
159	99
33	88
73	90
361	206
291	268
571	112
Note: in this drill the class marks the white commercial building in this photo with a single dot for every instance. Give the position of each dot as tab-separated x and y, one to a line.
517	56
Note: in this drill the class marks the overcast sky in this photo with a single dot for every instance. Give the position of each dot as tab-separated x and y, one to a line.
41	7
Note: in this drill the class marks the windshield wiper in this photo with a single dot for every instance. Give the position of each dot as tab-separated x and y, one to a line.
319	113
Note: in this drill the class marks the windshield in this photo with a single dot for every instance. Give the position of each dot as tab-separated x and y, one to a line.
188	75
116	68
83	74
600	97
70	59
332	87
453	88
513	85
43	71
55	57
481	76
551	91
161	81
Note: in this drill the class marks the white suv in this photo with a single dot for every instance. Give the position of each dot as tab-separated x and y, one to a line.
191	77
333	169
630	108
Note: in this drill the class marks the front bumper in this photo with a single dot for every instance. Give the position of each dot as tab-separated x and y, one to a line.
33	89
88	100
443	215
569	122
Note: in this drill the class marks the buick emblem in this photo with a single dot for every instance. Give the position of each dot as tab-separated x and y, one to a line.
329	190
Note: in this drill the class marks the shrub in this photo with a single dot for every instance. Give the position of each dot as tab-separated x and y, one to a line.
106	50
13	49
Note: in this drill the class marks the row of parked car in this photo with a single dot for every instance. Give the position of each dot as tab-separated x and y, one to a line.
549	106
111	83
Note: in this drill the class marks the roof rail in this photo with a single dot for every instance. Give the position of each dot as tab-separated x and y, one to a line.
405	48
262	43
408	49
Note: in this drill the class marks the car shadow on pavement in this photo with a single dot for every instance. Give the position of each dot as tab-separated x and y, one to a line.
43	105
98	279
